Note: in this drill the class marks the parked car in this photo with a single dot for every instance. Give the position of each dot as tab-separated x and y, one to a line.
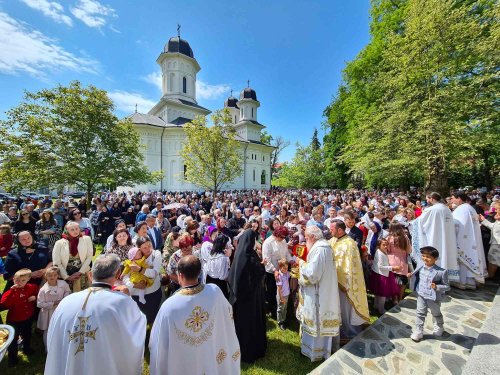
7	197
74	194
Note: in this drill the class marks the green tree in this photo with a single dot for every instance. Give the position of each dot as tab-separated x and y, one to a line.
420	100
69	136
315	145
211	153
305	171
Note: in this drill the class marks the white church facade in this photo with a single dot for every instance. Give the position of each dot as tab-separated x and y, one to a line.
161	129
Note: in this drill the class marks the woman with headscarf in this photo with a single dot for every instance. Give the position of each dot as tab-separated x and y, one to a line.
246	294
26	254
72	254
206	247
47	229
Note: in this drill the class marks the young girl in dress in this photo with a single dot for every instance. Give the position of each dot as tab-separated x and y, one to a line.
397	252
49	296
135	258
382	280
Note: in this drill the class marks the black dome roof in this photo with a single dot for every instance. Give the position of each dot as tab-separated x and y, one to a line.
177	44
248	93
231	102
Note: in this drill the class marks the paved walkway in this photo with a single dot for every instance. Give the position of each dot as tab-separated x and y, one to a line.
386	347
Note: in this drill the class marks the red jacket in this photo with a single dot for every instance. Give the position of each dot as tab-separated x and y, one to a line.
16	301
6	241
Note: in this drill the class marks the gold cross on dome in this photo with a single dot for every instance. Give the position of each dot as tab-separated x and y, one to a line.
80	335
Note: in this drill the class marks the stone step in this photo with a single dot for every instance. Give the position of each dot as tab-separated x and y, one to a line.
386	347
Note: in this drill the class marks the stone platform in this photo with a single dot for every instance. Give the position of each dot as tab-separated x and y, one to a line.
386	348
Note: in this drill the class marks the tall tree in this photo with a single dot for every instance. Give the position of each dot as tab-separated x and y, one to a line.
315	145
69	136
211	153
419	100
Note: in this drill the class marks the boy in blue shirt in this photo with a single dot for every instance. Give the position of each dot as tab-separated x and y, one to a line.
430	282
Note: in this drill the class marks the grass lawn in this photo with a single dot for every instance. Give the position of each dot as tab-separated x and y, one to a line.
283	352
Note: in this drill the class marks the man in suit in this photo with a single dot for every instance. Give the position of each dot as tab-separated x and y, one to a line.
154	233
430	282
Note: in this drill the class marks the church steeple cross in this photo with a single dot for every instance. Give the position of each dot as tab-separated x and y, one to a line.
179	31
248	83
231	92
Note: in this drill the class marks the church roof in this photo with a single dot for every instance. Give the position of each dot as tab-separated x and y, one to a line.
248	93
178	45
141	118
180	121
187	102
231	102
252	121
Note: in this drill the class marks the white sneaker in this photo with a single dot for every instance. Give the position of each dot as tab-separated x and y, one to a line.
438	331
417	336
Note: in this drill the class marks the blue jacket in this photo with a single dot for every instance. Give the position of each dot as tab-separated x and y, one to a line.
440	278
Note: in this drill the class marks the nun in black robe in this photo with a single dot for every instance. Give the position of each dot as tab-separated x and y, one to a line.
246	294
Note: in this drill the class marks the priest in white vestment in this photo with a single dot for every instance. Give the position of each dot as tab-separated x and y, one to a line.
194	330
471	259
97	330
352	287
319	310
436	228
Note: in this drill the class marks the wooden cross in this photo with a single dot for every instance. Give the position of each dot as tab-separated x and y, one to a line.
80	335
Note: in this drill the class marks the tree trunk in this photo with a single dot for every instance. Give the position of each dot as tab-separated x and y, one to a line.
487	178
437	179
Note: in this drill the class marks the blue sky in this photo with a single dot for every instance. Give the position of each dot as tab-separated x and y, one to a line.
293	52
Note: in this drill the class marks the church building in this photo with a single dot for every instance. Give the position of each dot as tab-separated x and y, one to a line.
162	134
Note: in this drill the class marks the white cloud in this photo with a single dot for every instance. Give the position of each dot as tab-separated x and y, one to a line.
211	92
30	51
50	9
126	101
155	79
92	13
203	90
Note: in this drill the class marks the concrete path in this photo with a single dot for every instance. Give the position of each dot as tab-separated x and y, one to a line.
386	347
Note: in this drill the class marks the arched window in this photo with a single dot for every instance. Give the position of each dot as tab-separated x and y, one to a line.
171	82
263	177
252	112
254	175
184	85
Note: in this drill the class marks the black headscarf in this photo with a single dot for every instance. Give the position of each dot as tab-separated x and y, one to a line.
246	269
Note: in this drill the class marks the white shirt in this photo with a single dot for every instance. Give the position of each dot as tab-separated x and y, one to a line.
217	266
273	251
154	261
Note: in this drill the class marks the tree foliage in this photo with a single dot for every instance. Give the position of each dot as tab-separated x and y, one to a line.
211	153
69	136
420	101
279	143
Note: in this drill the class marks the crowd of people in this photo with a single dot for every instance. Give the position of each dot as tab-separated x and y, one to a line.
223	264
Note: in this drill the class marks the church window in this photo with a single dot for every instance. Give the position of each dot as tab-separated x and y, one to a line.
185	171
254	175
171	82
262	157
235	119
263	177
252	112
184	85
